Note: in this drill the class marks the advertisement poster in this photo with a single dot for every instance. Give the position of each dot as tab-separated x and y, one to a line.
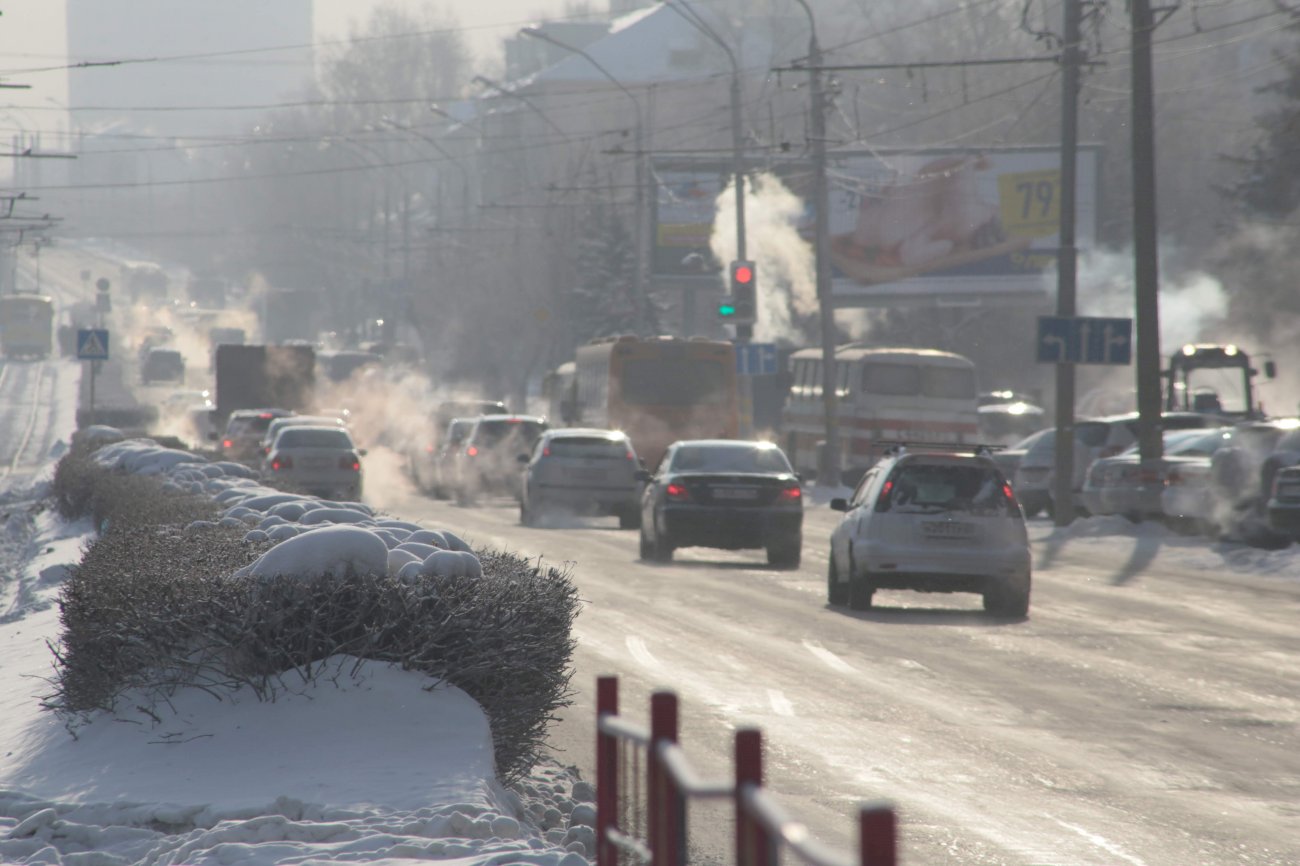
954	223
906	225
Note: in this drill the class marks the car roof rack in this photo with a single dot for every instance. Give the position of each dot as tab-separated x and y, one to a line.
980	449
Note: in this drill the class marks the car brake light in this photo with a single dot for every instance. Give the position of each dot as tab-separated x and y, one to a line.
546	452
351	462
428	449
677	491
1012	505
471	451
266	416
882	503
226	443
630	455
790	494
279	463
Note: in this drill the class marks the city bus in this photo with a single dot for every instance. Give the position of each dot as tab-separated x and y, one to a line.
26	326
656	390
885	396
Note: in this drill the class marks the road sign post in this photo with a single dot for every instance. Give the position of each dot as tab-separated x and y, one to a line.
92	346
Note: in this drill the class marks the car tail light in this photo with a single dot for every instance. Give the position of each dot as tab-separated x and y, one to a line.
1013	507
882	503
428	449
677	492
790	494
546	452
629	455
279	463
226	443
350	462
471	451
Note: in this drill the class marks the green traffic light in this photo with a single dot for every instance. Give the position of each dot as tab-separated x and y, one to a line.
726	309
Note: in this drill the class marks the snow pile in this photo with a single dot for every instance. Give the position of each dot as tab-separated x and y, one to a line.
361	762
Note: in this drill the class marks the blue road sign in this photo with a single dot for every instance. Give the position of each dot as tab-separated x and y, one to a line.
756	359
1084	340
92	344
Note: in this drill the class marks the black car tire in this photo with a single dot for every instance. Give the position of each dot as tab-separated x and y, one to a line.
527	513
1009	602
661	547
786	555
647	551
861	591
837	593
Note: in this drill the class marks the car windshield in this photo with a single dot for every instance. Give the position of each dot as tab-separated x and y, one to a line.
933	488
598	447
1032	440
313	437
1185	442
729	458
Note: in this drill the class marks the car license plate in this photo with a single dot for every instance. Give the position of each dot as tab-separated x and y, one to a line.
315	462
588	476
947	529
735	493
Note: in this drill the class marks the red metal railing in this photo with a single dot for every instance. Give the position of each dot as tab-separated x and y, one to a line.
650	825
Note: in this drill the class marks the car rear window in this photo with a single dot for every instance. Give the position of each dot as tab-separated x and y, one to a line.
729	458
673	382
1093	434
933	488
306	437
891	379
490	433
948	383
600	447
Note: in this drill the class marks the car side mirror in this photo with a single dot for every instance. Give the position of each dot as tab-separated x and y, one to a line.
1270	369
523	459
839	504
362	452
643	475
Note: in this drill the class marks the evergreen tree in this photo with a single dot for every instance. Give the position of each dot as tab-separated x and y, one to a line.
603	301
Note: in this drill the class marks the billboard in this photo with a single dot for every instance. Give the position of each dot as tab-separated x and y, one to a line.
686	195
912	225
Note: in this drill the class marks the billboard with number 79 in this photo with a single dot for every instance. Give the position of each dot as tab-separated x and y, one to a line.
954	223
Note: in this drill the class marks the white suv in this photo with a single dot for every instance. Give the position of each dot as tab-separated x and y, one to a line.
933	522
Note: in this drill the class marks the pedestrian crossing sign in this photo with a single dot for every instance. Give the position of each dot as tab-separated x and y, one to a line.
92	344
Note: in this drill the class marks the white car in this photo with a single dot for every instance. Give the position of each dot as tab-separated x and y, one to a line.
932	522
278	424
321	460
582	471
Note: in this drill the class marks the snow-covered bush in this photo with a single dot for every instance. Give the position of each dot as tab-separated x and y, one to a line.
177	592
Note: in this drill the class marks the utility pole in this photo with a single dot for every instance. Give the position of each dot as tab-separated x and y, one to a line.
1145	265
828	472
1067	260
828	462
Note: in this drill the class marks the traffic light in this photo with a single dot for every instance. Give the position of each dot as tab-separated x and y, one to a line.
744	295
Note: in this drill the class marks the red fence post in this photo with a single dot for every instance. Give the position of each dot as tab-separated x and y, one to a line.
665	801
606	772
753	845
877	836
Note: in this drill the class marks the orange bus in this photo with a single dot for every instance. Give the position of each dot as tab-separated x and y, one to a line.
656	390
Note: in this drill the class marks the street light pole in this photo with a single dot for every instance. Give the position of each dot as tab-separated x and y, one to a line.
828	470
638	277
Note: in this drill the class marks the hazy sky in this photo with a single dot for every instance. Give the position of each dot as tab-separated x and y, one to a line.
32	34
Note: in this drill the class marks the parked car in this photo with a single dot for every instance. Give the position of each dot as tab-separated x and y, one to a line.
1009	423
1008	459
322	461
1123	485
724	494
242	438
931	521
162	365
1284	502
277	424
430	462
1034	481
582	471
486	462
1216	494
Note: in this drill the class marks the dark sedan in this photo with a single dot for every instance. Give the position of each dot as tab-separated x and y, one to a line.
724	494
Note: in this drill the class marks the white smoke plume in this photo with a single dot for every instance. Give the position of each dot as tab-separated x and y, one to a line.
784	260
